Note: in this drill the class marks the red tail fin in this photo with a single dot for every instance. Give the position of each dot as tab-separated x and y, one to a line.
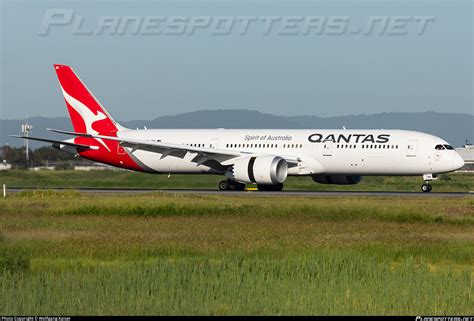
89	116
86	112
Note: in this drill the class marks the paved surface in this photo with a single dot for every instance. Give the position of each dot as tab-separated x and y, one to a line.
259	193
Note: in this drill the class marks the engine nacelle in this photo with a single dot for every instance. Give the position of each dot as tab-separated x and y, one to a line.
337	179
267	170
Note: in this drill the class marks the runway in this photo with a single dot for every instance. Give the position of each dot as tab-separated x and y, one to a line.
257	193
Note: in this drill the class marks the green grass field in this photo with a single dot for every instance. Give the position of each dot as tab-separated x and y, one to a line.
454	182
157	253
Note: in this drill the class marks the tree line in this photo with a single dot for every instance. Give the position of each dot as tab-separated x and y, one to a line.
43	156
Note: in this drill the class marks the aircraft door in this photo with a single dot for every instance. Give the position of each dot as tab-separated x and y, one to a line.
214	143
327	148
411	147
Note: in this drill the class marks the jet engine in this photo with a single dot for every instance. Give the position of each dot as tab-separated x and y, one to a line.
265	170
337	179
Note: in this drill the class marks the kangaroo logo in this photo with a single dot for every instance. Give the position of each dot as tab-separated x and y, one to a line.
87	115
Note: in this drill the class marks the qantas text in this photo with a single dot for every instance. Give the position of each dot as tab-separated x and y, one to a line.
349	138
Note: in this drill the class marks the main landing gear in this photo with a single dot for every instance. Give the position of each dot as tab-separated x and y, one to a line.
228	185
273	188
426	187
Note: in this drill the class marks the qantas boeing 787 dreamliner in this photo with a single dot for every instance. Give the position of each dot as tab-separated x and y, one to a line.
248	156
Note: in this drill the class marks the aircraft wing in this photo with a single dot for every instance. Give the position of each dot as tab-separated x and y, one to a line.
171	149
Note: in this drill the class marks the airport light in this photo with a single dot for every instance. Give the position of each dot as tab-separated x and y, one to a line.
25	129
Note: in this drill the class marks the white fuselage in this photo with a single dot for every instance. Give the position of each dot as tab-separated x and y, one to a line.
329	152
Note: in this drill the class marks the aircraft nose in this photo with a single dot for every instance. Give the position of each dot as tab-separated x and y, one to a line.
458	162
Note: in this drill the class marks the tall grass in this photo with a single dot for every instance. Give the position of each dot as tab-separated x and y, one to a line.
13	260
322	282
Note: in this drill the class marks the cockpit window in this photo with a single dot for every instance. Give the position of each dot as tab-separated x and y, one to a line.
439	147
449	147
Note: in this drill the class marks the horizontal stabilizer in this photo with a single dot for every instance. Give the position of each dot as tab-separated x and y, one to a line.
68	132
57	142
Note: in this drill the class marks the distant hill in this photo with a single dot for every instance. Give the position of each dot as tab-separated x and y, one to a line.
455	128
237	118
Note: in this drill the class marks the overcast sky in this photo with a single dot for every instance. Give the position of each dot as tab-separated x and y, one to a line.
334	72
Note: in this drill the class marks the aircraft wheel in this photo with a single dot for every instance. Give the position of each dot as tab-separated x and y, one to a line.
275	188
224	185
236	186
426	188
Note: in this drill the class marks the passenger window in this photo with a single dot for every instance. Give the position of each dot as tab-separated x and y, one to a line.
439	147
449	147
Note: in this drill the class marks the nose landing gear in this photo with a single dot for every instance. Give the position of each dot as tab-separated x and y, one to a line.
426	187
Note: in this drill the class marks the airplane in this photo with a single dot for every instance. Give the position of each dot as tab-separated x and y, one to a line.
265	157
